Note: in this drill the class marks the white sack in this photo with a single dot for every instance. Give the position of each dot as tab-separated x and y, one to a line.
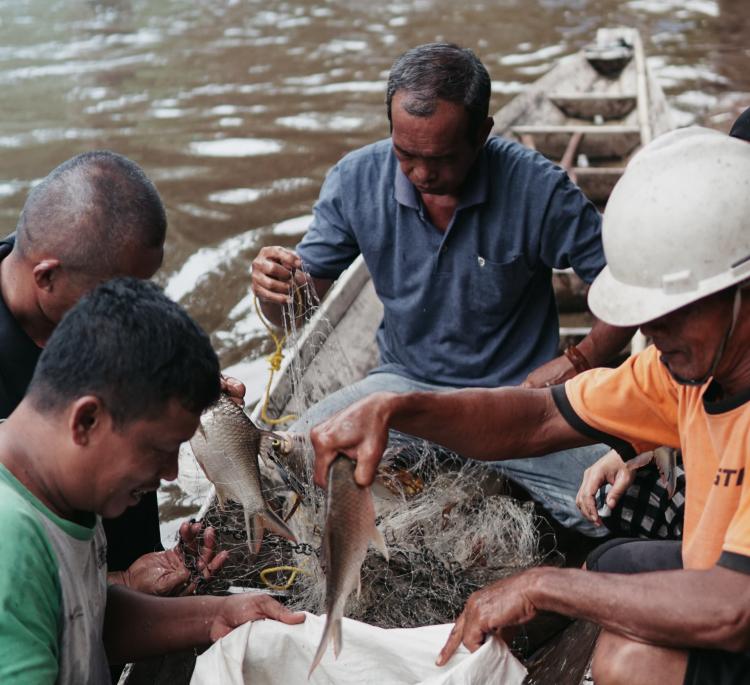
269	653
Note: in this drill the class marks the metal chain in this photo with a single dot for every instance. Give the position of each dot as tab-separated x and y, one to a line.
304	548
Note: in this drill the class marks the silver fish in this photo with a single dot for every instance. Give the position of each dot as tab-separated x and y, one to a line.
665	459
227	445
349	527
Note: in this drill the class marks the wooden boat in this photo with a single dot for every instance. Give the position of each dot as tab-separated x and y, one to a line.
590	114
587	118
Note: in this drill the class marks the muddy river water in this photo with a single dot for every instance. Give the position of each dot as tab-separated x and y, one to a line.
236	108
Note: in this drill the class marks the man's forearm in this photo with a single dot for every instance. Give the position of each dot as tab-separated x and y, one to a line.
117	578
705	609
138	626
489	424
604	343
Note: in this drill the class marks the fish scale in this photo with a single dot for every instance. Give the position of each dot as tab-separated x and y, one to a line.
227	446
349	527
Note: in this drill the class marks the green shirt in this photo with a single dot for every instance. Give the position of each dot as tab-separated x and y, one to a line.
53	585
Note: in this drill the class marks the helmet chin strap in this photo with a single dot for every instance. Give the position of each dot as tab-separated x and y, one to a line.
719	351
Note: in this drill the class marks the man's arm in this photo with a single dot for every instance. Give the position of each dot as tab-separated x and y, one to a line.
491	424
137	625
30	597
685	608
598	348
604	342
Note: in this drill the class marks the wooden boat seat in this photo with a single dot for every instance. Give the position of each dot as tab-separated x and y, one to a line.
598	142
597	182
590	105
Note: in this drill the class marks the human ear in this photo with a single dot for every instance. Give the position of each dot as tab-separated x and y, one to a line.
45	273
85	419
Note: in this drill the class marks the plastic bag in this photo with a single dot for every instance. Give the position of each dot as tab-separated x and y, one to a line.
269	652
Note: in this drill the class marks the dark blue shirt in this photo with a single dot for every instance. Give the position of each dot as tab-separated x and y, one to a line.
472	306
18	352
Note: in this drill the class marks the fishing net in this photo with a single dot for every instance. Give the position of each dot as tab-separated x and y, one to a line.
445	535
447	522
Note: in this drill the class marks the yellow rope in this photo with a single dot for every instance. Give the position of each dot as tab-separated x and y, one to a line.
274	362
294	571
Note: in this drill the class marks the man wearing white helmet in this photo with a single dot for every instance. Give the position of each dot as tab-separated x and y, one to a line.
677	240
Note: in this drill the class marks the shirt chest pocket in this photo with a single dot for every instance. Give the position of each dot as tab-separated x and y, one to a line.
495	288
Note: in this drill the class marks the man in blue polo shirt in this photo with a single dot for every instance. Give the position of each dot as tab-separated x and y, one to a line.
460	233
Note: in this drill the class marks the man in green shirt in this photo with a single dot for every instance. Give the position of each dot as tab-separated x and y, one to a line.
120	385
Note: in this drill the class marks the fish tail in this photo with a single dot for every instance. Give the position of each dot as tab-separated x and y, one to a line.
322	646
379	542
332	630
336	630
254	527
272	522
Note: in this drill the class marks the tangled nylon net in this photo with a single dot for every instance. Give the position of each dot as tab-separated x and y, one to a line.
447	534
448	525
444	542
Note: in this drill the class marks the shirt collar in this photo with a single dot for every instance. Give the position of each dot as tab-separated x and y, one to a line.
475	189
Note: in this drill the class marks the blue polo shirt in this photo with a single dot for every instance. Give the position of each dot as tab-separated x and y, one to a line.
472	306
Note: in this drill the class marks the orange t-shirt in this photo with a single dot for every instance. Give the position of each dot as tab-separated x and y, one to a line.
640	403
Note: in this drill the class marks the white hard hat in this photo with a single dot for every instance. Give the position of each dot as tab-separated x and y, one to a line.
676	228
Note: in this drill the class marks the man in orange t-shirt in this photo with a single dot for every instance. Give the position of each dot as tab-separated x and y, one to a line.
677	240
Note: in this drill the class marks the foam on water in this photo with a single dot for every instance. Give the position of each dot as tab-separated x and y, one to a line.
236	147
315	121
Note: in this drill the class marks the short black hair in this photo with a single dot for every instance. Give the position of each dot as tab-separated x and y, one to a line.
441	71
132	347
90	207
741	126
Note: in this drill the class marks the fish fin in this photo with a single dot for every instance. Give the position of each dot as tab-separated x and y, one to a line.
324	640
325	553
222	497
379	542
337	641
254	527
665	459
274	523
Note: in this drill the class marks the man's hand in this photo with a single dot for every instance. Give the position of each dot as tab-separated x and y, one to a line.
490	611
170	572
555	371
274	272
235	389
239	609
608	469
359	431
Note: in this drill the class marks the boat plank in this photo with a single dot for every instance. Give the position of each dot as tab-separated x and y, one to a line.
598	142
589	106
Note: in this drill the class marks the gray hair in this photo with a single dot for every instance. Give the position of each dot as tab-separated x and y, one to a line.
88	209
441	71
